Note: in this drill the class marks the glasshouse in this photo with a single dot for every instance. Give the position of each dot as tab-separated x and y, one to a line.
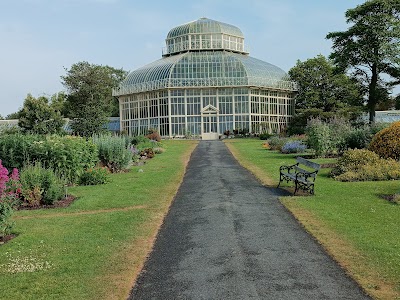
205	85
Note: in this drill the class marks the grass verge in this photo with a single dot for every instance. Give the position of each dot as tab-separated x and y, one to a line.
350	219
95	248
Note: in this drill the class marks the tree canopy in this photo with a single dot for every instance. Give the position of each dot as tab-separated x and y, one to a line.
37	116
370	48
89	100
320	86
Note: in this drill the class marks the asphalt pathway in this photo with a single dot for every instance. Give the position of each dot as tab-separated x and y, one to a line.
227	237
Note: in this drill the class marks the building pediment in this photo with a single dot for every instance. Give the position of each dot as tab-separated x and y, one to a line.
210	109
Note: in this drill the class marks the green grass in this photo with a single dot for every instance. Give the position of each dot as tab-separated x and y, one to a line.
357	226
94	248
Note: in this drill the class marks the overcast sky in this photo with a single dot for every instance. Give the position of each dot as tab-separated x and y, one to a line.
40	38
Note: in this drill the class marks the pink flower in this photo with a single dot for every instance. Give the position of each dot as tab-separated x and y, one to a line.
14	175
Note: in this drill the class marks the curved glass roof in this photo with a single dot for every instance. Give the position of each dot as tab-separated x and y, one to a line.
204	26
205	69
205	53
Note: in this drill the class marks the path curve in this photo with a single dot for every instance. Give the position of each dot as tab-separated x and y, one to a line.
228	237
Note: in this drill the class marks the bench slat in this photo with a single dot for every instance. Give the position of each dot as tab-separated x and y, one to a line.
308	163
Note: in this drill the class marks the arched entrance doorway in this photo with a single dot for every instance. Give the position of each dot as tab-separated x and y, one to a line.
209	120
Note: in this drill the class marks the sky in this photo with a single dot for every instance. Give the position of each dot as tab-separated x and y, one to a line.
40	39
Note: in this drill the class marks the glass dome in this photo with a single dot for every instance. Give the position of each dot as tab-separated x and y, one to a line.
204	34
205	69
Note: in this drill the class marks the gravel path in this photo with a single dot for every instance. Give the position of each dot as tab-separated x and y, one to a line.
228	237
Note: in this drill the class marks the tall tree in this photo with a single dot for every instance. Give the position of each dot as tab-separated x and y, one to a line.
370	47
58	103
321	87
89	101
37	116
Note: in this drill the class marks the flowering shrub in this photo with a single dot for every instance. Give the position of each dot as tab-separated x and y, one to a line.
94	176
293	147
10	190
40	186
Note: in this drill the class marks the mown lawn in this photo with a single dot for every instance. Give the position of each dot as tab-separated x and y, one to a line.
356	226
95	248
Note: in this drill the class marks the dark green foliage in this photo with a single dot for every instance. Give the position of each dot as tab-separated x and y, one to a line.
68	156
13	116
139	139
40	186
320	86
319	137
298	123
6	222
15	149
37	116
358	138
94	176
89	101
369	47
265	136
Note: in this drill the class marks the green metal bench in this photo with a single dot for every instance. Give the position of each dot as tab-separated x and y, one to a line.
303	179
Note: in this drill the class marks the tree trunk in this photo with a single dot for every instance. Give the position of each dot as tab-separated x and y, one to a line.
372	97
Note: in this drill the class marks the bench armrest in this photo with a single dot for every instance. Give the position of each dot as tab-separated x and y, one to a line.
288	168
306	175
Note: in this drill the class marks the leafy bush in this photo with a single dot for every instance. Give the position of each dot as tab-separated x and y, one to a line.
358	138
319	137
6	223
94	176
136	140
15	148
362	165
40	186
351	160
386	142
384	170
276	143
113	152
148	144
68	156
265	136
293	147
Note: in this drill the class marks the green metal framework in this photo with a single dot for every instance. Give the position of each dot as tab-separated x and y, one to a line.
205	84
